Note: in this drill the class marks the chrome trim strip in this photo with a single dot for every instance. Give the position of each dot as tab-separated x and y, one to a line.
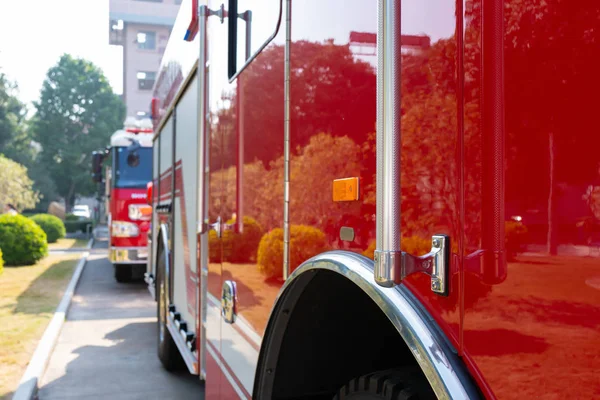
387	253
286	140
129	248
186	354
202	195
437	360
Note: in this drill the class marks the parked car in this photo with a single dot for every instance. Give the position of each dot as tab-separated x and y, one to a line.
81	210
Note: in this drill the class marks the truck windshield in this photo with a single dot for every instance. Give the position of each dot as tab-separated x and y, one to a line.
132	174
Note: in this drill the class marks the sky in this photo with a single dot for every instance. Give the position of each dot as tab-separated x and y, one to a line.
35	33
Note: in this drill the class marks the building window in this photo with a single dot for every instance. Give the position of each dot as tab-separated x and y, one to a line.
177	2
145	80
146	40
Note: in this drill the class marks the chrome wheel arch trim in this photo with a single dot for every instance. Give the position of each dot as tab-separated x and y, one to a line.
444	370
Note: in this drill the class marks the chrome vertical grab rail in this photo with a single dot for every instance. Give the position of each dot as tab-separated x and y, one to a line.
391	264
387	253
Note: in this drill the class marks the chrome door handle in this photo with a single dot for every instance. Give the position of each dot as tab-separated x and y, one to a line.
228	301
216	226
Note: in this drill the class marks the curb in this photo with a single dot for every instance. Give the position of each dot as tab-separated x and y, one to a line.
27	389
90	244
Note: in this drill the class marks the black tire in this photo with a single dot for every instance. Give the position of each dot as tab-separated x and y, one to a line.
394	384
167	349
123	273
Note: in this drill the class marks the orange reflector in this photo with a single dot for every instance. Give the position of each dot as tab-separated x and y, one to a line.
346	189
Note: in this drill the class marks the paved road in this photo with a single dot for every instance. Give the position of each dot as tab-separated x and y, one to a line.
107	347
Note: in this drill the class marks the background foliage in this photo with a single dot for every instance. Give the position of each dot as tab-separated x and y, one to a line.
76	114
15	185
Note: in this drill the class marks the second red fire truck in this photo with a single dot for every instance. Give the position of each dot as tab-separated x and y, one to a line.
379	199
127	208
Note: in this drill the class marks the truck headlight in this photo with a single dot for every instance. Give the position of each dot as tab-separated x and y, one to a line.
124	229
140	212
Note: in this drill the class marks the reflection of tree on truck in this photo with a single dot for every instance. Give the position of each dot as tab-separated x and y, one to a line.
291	319
129	214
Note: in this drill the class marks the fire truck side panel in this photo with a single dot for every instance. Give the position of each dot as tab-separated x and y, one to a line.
165	182
534	329
166	162
184	211
333	137
251	169
431	137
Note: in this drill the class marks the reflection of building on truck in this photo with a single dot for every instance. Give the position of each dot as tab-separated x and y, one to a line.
325	229
130	170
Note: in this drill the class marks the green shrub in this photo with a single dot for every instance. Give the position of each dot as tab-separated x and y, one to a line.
1	262
53	226
72	217
237	247
78	225
305	242
245	245
22	241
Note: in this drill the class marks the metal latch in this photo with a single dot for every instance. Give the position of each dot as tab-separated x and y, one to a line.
391	267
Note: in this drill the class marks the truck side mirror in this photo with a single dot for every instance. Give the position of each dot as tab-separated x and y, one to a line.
97	159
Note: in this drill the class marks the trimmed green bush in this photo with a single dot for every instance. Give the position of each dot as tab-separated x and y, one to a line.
71	217
245	245
78	225
22	241
53	226
237	247
305	242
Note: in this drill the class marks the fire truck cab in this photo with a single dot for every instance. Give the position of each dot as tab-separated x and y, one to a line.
128	212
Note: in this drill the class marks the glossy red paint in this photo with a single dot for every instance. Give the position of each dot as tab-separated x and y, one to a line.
120	200
499	151
535	325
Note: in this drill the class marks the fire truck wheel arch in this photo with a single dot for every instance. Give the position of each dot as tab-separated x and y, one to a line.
330	324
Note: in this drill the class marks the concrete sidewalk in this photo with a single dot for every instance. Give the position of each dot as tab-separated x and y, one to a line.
107	348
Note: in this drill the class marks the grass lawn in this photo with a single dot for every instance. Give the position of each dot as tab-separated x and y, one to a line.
28	298
68	243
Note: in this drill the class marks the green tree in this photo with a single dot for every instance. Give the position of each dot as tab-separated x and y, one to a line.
15	186
76	114
14	140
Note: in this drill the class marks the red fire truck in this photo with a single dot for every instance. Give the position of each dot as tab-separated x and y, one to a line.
127	207
379	199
